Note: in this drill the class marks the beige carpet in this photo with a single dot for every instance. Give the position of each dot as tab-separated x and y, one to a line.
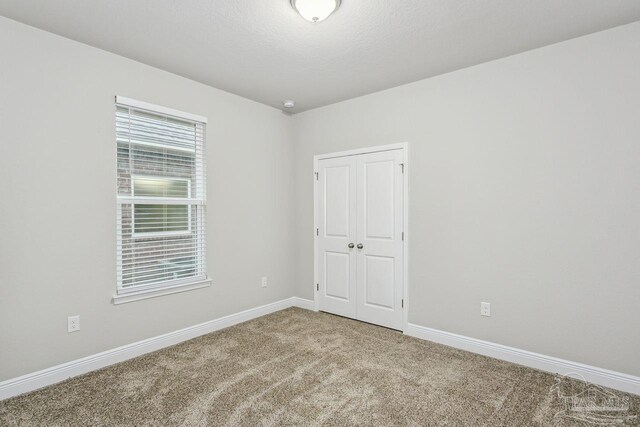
297	367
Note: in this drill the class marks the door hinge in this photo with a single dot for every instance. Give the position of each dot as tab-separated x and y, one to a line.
316	175
317	286
402	303
402	166
403	236
317	231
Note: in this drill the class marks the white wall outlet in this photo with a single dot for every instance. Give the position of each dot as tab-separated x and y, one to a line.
264	282
485	309
73	323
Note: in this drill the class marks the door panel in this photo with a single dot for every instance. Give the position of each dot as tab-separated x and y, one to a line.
337	195
336	229
378	274
378	194
337	275
379	229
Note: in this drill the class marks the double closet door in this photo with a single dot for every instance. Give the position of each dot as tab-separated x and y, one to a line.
360	236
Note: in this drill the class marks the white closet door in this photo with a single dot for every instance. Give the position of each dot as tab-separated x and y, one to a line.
379	231
337	230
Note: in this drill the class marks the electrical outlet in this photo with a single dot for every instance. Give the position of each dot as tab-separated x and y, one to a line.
485	309
73	323
264	282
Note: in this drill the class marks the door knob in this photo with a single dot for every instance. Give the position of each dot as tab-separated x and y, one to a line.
360	246
351	245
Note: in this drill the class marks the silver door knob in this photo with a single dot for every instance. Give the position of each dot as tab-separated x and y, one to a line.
351	245
360	246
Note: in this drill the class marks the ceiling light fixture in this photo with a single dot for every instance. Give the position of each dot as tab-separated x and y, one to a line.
288	103
315	10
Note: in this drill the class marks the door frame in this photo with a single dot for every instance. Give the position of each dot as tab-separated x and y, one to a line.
404	146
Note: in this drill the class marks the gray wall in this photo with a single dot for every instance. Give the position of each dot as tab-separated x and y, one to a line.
58	178
525	192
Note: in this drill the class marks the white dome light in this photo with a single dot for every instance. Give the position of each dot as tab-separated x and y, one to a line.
315	10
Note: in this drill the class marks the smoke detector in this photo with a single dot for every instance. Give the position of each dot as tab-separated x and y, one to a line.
288	104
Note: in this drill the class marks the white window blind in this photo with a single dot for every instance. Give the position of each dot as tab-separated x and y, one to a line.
160	197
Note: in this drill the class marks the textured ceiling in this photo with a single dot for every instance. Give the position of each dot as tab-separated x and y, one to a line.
262	50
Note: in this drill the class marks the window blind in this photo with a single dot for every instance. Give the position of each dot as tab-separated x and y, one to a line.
160	197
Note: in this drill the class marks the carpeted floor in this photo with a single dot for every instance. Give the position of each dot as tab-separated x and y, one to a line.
296	367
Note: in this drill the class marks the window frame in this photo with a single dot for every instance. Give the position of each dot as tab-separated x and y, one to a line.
125	294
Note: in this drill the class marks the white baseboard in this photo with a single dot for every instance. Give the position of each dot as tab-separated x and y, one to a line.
307	304
592	374
45	377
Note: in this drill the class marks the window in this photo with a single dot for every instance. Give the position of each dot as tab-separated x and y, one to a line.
148	219
160	198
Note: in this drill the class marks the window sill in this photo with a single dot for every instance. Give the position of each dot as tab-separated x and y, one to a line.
152	293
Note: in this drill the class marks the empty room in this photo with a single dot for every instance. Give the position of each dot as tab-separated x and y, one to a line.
320	213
